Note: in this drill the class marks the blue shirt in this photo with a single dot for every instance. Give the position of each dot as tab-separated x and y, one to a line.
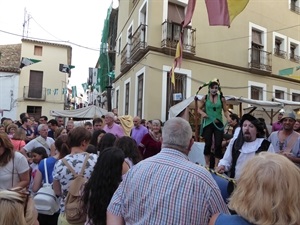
50	166
137	133
224	219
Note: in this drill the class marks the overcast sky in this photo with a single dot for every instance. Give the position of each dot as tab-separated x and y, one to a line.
80	22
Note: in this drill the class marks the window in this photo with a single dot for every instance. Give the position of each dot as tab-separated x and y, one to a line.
38	50
129	41
127	86
119	45
140	91
259	58
294	50
178	90
35	84
35	111
256	93
296	97
256	48
279	94
295	6
279	43
175	18
117	98
175	13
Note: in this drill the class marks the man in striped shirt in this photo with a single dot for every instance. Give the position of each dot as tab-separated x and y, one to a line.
167	188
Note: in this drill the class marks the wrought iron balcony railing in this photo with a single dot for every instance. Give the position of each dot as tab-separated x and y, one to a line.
34	93
294	7
126	60
294	58
260	59
138	42
279	53
171	35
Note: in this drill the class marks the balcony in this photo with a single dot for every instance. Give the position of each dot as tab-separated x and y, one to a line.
279	53
34	93
138	42
126	60
260	60
294	7
171	35
294	58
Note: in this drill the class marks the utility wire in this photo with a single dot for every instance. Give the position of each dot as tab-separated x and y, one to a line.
48	40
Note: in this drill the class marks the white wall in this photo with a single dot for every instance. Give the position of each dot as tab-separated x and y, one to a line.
9	94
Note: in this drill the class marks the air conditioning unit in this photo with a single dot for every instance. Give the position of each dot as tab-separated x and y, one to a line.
177	96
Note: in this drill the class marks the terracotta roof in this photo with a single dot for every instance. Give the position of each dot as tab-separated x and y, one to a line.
10	56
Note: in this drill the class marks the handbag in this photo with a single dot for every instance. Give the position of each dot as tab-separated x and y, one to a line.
45	199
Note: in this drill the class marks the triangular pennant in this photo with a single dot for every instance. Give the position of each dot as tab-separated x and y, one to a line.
28	61
65	68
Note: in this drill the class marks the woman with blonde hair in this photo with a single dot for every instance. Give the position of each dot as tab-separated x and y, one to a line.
17	208
14	169
267	193
11	129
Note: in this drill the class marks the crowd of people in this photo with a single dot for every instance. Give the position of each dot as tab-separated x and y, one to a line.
138	171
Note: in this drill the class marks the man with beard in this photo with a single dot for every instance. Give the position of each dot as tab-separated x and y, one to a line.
287	141
249	142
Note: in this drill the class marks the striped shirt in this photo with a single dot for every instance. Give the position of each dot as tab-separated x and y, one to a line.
167	189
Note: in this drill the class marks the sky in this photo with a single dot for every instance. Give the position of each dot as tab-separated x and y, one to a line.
79	22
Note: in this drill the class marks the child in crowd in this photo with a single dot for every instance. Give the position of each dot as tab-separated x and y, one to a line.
37	155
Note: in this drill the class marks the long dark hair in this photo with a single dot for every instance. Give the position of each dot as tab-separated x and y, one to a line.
106	141
129	147
104	181
96	133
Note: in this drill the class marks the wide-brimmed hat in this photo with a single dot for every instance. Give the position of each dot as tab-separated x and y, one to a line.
256	122
289	113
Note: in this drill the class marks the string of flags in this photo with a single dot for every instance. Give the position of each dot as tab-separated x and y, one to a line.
62	67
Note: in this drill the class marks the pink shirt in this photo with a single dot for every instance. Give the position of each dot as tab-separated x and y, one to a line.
18	144
115	129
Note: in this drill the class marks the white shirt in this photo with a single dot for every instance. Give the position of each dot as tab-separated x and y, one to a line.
247	152
35	143
9	174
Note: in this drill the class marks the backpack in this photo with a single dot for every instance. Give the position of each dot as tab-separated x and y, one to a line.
73	205
45	199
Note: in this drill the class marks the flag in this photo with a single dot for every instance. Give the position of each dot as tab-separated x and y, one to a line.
65	68
84	86
286	71
222	12
111	74
28	62
178	53
74	91
93	73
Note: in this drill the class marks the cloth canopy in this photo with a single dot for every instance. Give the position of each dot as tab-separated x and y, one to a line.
86	112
